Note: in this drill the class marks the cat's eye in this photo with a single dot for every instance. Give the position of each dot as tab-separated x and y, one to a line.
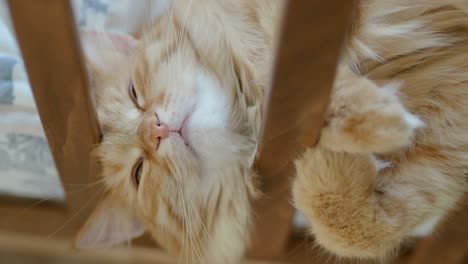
136	171
133	94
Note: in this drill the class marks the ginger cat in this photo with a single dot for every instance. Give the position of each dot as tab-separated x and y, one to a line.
393	156
180	111
181	108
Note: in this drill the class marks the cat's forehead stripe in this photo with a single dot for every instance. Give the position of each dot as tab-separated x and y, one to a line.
156	55
147	62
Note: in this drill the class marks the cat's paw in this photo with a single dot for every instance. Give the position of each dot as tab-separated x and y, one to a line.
336	194
366	118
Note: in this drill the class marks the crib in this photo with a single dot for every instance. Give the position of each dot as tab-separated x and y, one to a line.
49	43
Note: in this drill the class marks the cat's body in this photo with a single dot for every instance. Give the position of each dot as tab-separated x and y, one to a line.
356	208
188	130
204	82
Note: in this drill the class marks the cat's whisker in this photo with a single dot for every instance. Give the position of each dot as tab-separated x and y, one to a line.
189	215
24	210
178	37
149	14
204	231
76	212
194	242
69	193
184	250
101	230
189	231
173	30
183	31
114	48
194	245
197	217
200	223
184	239
186	235
86	185
171	25
134	130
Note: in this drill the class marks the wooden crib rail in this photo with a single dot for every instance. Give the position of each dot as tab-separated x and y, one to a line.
312	38
49	43
313	32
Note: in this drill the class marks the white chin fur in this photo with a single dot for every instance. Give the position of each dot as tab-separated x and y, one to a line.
207	129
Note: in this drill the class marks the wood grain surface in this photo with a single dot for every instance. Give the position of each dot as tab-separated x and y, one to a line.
313	33
49	44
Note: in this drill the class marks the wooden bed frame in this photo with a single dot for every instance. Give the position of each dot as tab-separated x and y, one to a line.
304	73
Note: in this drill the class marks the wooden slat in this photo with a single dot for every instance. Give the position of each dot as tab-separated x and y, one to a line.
49	44
313	33
21	249
449	244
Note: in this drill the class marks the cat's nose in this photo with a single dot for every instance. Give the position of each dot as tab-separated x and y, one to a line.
158	131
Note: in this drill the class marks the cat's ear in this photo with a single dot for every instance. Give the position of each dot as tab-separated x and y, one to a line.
109	224
103	49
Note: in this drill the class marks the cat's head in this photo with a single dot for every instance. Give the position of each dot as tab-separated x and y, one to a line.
176	147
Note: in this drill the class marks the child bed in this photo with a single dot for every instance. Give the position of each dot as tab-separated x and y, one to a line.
49	43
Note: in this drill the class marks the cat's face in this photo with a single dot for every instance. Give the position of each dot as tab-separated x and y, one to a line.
175	149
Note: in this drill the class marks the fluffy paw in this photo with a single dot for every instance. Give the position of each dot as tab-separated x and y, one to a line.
366	118
335	192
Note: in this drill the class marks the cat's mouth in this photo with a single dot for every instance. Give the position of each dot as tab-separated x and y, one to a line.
182	131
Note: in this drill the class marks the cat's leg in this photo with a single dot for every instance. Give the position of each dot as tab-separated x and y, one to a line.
363	117
354	211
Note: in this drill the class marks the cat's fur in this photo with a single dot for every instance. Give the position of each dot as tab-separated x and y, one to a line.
211	63
391	158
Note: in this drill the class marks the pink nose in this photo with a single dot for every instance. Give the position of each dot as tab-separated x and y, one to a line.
158	131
